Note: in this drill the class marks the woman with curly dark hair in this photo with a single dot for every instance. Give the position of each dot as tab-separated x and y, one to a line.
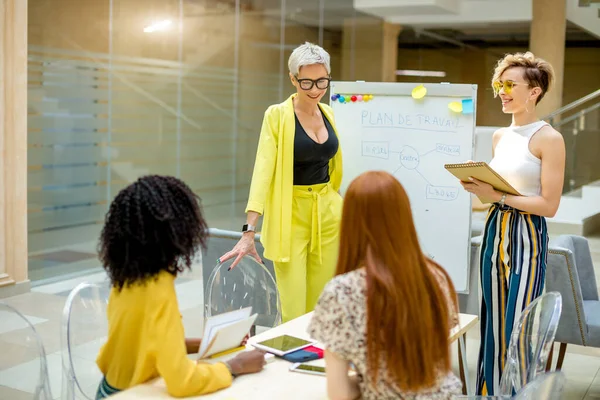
152	230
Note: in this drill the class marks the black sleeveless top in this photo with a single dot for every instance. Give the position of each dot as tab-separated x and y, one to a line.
311	159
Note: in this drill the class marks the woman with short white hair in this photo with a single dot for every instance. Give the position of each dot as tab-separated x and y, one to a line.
295	184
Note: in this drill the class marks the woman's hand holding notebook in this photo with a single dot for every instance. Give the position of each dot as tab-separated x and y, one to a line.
483	172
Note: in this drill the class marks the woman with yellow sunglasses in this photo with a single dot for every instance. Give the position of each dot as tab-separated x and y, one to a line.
530	155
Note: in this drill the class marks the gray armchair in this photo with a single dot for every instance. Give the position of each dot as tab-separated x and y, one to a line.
570	272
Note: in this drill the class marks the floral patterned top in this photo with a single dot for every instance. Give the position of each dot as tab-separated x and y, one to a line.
340	324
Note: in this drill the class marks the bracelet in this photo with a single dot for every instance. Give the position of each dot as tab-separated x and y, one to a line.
230	369
502	199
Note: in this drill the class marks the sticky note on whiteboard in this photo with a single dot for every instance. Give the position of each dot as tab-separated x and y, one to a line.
467	106
455	106
419	92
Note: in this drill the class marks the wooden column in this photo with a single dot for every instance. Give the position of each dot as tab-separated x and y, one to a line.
369	50
547	40
13	147
389	62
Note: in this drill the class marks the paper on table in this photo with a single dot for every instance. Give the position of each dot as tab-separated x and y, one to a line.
221	320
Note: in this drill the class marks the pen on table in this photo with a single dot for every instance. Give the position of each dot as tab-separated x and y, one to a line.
224	353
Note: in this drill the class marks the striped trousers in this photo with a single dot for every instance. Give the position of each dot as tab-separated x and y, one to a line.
512	272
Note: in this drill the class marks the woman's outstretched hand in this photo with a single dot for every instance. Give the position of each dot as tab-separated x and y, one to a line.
244	247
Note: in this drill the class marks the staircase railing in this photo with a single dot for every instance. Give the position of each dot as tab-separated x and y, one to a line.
554	116
579	122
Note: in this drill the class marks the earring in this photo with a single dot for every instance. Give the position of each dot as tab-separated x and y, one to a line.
526	109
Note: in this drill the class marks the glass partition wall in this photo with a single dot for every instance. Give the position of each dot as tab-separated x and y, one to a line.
123	88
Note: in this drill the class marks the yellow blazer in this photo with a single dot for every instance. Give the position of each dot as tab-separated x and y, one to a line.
273	177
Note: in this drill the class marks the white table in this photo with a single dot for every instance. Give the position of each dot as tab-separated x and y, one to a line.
276	381
465	323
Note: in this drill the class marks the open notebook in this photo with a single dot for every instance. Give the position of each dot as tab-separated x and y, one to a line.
483	172
225	331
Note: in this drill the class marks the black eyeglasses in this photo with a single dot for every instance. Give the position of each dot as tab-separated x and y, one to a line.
307	84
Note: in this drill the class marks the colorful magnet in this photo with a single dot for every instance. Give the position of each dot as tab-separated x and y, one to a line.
419	92
455	106
467	106
342	99
359	98
353	98
347	99
334	97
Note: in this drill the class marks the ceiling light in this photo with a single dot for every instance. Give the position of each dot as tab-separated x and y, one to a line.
414	72
158	26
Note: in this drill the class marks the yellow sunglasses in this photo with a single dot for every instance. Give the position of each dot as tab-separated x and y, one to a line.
507	85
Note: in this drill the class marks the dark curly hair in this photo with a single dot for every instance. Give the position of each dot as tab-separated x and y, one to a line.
152	225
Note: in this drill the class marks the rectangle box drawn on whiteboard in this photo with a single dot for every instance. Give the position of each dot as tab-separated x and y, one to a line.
376	149
444	193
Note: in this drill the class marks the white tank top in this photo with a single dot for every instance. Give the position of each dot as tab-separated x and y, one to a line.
515	163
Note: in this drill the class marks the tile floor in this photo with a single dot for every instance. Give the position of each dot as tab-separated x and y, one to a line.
19	362
19	365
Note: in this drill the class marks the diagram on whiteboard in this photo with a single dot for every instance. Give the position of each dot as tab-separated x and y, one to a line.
412	139
409	158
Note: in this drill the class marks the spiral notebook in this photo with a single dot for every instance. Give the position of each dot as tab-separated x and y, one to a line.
483	172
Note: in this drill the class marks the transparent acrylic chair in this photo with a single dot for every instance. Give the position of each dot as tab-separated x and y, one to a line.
84	328
249	284
530	343
545	387
32	350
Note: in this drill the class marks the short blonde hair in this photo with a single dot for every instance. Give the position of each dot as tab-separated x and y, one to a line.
308	54
537	72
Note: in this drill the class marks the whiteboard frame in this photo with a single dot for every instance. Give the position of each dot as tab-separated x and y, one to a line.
458	90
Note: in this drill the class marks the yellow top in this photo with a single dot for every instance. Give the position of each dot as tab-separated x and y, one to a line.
146	340
273	177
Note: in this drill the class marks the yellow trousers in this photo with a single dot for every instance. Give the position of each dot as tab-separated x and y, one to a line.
316	215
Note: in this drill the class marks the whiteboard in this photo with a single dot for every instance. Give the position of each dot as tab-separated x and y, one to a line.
413	139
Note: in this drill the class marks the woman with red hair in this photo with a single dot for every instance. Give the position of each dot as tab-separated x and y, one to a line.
389	309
